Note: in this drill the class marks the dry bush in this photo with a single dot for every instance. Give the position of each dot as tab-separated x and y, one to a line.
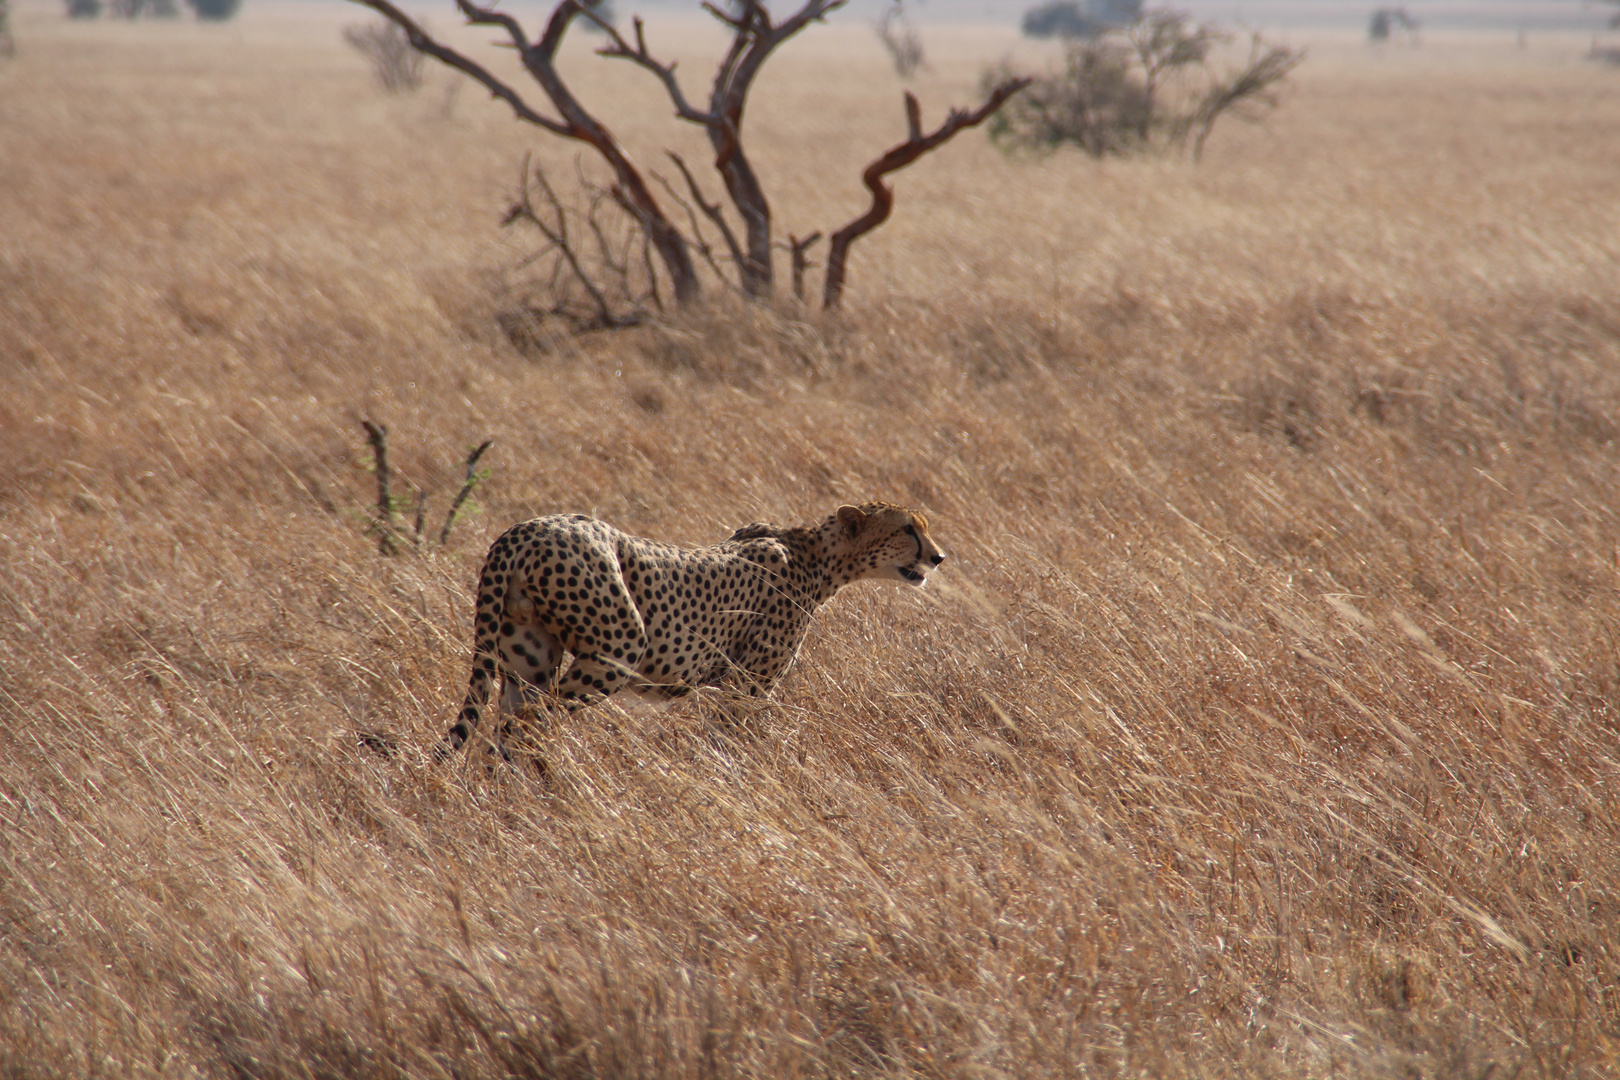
1156	83
1265	720
397	66
900	39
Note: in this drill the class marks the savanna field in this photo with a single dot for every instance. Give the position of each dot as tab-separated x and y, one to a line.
1264	720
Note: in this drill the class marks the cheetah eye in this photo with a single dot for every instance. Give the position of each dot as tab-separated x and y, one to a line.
911	530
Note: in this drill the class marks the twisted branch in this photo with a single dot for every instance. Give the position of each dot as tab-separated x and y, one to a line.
898	157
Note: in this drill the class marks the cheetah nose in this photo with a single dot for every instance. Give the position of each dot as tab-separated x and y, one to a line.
936	559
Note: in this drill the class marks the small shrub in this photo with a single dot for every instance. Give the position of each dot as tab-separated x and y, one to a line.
215	10
84	9
136	9
396	64
1148	86
1072	19
901	40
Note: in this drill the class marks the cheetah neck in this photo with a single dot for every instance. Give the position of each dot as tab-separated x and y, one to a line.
834	571
816	570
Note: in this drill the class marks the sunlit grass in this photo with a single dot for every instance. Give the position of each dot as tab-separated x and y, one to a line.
1263	721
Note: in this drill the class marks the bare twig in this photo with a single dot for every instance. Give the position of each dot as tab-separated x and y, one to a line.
466	489
898	157
699	242
652	277
618	47
377	436
799	252
523	210
421	515
710	210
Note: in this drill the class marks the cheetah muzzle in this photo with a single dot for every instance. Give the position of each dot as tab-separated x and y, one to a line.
663	620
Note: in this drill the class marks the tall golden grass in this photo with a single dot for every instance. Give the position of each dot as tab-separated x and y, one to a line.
1265	720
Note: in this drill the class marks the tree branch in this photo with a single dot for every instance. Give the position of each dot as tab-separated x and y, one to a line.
466	489
698	241
799	252
710	210
423	43
621	49
377	436
898	157
523	209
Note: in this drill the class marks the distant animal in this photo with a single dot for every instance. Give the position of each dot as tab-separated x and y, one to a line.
662	620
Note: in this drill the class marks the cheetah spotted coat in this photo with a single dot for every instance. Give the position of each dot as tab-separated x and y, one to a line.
663	620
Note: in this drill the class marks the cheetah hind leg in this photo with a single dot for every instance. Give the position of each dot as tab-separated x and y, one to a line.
527	662
530	657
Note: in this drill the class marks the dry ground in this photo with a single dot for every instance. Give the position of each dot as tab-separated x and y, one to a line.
1266	720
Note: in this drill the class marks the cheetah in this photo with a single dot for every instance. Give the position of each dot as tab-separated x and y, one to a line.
662	620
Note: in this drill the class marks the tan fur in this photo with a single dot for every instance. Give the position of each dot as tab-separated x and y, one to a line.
664	620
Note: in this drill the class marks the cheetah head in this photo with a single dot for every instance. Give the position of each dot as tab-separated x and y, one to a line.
883	542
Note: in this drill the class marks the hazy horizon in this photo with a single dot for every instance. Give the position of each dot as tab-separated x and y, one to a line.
1567	16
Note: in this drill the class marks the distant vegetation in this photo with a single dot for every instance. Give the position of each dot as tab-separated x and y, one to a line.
205	10
215	10
1074	19
397	66
1152	84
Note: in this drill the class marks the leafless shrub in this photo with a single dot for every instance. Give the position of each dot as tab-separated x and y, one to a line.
1247	92
386	524
594	270
901	40
397	66
1153	85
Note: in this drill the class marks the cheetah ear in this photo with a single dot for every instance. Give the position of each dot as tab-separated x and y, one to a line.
851	518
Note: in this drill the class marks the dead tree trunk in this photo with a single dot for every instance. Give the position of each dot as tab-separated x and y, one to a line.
539	60
754	37
898	157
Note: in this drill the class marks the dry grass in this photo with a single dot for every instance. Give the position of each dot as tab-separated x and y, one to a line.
1265	722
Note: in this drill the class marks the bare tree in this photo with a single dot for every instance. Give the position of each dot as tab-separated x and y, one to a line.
755	35
1386	21
901	39
540	60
